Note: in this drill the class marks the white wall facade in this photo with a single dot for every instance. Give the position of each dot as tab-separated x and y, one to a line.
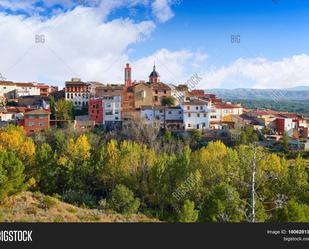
195	117
112	109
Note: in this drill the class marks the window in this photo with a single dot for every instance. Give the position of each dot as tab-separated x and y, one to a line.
68	95
204	125
31	116
156	91
196	108
156	98
31	124
189	125
205	115
164	91
42	124
179	112
189	115
108	113
198	115
188	107
42	116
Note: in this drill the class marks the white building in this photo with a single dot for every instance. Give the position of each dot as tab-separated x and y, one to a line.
11	89
219	111
170	117
196	114
111	109
78	92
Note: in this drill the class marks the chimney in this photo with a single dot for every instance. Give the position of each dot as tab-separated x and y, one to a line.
128	76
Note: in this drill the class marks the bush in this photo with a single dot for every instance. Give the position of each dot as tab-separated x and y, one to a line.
79	199
11	174
49	202
123	201
188	213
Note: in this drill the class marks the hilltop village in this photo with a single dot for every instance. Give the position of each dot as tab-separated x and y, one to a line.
179	108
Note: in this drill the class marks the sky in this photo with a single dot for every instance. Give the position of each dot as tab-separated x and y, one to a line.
228	43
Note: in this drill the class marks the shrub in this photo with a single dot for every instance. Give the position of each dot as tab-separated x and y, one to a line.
188	212
49	202
123	201
79	199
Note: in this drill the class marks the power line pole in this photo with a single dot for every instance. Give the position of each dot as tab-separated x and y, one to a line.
253	184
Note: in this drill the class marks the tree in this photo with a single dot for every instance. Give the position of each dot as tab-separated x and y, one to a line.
11	174
46	171
168	101
197	135
293	212
63	110
123	201
188	213
223	205
285	142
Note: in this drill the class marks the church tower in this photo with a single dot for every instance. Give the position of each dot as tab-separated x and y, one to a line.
128	76
154	77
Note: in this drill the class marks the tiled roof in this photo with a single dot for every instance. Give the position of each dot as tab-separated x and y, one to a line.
160	86
226	106
196	102
37	112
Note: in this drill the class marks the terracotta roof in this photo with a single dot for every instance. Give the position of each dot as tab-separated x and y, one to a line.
226	106
182	88
196	102
199	93
25	84
7	83
37	112
11	83
160	86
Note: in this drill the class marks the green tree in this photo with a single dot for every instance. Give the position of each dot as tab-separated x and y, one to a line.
285	142
168	101
223	205
123	200
188	213
197	135
11	174
63	110
292	212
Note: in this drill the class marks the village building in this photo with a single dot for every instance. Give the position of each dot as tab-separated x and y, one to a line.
35	121
196	114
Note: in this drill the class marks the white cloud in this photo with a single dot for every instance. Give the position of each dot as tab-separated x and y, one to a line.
77	44
162	10
260	73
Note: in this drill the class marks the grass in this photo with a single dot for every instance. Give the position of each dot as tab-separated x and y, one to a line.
36	207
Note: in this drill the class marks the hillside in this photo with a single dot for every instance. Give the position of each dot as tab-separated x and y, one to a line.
301	93
36	207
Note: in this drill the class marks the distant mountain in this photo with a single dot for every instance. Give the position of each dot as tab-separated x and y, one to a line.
297	93
299	88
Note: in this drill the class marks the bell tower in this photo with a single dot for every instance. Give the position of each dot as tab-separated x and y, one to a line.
128	76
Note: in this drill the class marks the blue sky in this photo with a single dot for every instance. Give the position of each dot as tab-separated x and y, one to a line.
183	37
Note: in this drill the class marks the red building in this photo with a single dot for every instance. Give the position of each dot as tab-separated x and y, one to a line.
95	110
36	120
